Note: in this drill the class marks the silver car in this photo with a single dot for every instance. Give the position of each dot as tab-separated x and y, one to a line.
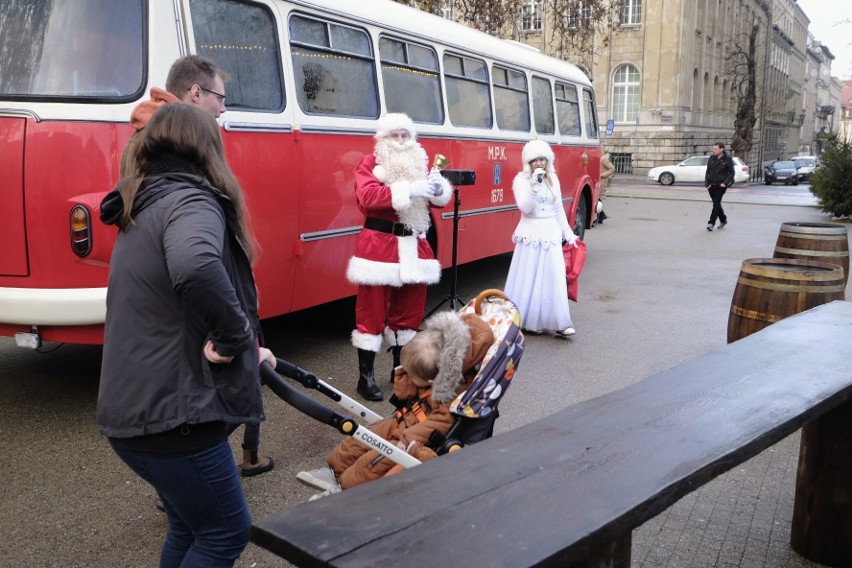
693	170
805	166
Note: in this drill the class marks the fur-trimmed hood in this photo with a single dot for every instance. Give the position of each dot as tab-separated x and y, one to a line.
466	339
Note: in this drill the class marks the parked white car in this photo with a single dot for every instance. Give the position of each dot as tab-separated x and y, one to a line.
805	166
693	170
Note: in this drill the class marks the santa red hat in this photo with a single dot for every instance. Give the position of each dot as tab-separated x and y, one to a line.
394	121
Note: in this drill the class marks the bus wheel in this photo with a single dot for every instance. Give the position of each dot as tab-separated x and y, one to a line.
580	218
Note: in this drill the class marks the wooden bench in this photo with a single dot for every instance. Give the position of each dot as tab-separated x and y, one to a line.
568	490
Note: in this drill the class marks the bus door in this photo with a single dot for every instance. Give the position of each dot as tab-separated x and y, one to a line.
336	96
13	229
245	39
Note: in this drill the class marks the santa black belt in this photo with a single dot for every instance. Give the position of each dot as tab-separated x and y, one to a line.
396	229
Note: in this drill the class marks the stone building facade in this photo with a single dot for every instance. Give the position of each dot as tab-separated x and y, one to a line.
664	77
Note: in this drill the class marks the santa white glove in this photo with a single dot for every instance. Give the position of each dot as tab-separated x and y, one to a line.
421	188
436	182
570	238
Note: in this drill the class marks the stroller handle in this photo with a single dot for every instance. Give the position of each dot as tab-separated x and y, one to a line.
303	403
484	295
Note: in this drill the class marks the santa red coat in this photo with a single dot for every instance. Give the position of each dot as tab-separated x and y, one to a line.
383	259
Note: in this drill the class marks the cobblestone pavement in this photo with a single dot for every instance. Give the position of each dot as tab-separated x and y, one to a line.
655	292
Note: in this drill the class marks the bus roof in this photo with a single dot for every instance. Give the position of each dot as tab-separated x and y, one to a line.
432	28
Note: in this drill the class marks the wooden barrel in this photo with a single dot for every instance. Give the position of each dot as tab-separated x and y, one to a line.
820	242
770	289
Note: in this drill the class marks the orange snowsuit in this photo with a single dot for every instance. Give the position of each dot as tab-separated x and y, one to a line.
354	464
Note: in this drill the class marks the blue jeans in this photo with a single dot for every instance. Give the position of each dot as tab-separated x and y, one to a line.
209	521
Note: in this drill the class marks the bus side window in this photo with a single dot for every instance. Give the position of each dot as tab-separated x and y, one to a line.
333	66
543	106
411	81
240	38
591	117
511	99
567	109
468	100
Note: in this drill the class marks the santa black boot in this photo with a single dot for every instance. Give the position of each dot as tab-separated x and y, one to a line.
367	386
395	351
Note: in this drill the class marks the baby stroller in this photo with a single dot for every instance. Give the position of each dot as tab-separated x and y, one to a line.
475	410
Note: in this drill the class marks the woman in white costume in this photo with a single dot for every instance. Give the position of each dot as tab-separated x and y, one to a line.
536	281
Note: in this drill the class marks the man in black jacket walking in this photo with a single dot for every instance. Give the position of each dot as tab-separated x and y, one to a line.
719	177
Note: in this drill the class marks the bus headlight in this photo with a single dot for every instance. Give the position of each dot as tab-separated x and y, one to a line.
81	231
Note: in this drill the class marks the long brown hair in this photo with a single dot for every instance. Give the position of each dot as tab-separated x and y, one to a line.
193	135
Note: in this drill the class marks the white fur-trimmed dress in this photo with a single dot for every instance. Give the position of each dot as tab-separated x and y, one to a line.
536	281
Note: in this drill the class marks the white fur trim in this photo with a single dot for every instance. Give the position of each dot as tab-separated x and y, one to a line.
366	341
395	121
401	337
537	149
373	273
400	196
380	173
414	270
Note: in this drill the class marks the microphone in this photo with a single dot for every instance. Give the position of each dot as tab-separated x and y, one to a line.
540	178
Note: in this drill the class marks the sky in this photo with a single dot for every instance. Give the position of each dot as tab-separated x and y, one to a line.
831	23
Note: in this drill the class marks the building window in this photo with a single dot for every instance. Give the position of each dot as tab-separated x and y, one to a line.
625	94
623	163
447	10
579	17
631	12
531	16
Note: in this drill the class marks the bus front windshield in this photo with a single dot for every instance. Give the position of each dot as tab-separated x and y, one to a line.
80	49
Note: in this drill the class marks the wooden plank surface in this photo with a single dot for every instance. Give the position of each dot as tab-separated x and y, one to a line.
581	477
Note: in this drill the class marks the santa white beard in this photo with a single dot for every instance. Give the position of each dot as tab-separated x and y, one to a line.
401	162
408	163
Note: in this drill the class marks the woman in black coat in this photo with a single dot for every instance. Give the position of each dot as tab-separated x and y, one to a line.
181	355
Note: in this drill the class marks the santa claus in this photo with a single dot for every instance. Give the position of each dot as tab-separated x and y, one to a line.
393	262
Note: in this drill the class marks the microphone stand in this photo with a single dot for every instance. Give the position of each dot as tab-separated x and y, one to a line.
453	296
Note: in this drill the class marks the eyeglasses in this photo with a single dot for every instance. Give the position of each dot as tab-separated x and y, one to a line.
219	96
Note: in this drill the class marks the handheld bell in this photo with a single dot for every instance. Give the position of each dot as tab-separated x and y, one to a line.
440	162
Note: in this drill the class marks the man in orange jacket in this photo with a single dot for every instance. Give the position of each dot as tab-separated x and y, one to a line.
192	80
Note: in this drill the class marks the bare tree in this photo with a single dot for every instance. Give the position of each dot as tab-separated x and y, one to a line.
488	16
742	68
580	27
575	27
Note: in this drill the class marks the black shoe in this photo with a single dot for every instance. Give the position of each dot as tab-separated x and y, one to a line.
602	216
722	224
709	226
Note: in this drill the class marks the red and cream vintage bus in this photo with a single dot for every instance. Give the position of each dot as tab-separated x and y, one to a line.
309	78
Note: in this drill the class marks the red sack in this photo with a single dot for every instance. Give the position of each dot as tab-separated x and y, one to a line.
575	258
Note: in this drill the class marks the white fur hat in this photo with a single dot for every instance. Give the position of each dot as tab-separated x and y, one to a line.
537	149
394	121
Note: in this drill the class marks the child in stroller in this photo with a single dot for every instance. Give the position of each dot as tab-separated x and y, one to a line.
436	366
